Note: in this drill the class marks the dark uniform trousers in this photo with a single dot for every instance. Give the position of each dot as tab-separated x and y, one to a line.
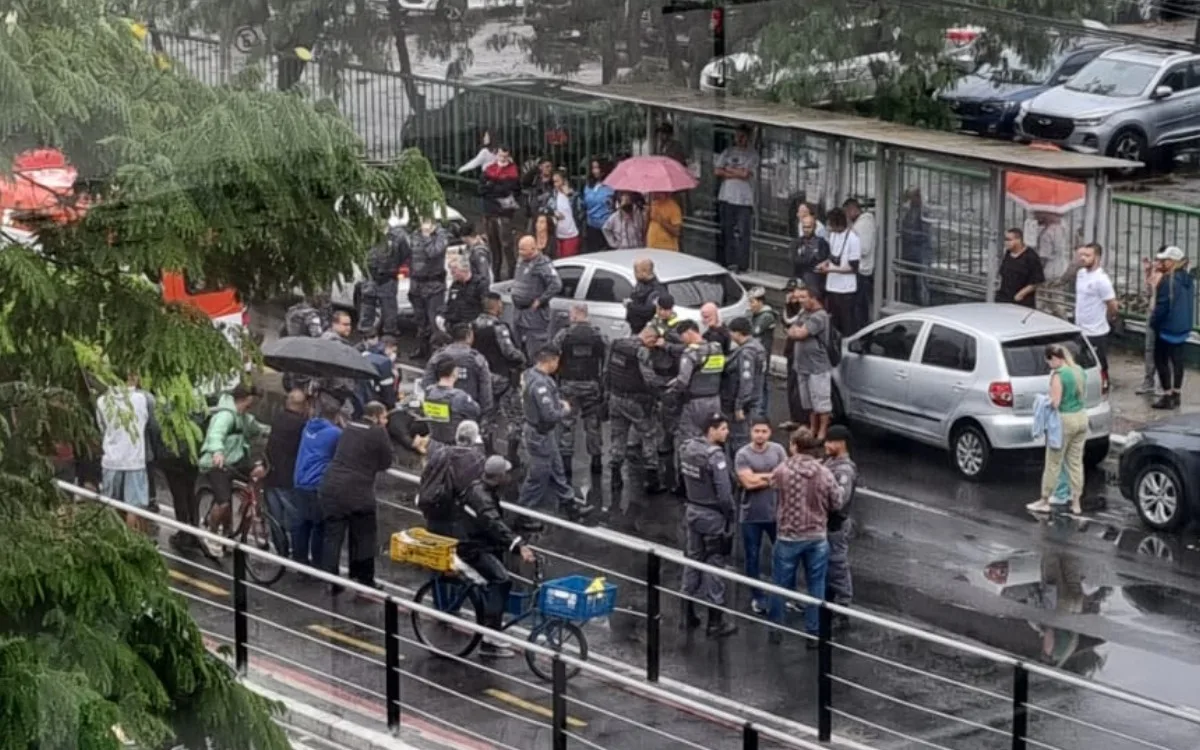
633	413
587	400
362	527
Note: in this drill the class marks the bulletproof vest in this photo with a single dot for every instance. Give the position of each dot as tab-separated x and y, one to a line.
468	379
730	378
297	318
665	326
707	372
428	257
624	375
439	414
582	354
488	345
663	364
697	475
481	260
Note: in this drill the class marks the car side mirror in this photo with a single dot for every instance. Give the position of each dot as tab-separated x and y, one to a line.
1162	92
855	346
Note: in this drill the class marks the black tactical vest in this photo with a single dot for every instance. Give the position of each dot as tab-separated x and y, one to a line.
582	355
624	375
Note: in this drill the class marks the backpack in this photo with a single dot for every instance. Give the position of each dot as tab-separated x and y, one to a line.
297	318
831	342
444	481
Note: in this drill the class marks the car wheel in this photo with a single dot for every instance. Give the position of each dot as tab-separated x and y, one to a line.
1095	452
1129	145
1158	496
970	451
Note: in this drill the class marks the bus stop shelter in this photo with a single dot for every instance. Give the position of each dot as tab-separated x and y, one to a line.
969	174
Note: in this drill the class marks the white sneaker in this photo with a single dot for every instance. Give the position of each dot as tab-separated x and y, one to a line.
214	548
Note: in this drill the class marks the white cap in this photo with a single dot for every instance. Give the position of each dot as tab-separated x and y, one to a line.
1171	253
468	433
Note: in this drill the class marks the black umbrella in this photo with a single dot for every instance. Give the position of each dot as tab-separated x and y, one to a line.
320	358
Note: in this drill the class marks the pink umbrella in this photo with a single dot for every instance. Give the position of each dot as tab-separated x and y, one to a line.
650	174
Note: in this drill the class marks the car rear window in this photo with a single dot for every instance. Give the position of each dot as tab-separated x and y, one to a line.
693	292
1027	357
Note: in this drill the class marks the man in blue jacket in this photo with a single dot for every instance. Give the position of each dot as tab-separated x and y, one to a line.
317	446
1174	302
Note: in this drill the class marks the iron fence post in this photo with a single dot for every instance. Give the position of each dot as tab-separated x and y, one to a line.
240	631
391	631
1020	718
558	702
824	674
653	614
749	737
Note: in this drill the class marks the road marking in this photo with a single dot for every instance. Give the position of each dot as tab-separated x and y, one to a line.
532	708
196	583
348	640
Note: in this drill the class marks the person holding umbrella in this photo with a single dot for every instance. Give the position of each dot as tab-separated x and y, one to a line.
661	177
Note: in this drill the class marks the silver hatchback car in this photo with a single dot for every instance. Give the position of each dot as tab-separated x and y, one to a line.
964	377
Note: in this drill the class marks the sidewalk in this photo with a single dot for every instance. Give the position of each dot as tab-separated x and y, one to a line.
1131	411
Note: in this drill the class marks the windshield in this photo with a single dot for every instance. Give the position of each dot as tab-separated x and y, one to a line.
1027	357
1108	77
695	291
1012	69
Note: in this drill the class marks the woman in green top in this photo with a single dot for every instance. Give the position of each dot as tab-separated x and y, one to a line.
1068	387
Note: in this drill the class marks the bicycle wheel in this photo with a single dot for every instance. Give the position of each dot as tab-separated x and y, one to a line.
260	530
451	597
559	635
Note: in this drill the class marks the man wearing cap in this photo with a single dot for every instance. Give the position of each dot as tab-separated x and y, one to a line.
640	307
445	406
698	385
447	476
1172	319
708	522
483	538
839	587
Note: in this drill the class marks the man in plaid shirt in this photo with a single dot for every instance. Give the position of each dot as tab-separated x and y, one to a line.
806	493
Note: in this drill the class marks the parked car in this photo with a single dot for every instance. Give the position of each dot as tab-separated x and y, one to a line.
1133	102
532	116
1158	472
346	292
987	101
964	377
605	280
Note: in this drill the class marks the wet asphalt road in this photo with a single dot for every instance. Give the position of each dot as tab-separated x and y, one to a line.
1096	597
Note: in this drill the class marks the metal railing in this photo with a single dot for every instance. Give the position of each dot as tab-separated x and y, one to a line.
748	733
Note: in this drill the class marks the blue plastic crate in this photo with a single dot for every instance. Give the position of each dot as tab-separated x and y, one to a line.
518	603
568	599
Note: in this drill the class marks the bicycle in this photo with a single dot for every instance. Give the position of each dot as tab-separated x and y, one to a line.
255	526
556	606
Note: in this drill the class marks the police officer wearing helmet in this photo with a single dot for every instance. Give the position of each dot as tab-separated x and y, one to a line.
427	287
698	385
580	369
445	406
632	386
494	340
708	522
544	410
474	375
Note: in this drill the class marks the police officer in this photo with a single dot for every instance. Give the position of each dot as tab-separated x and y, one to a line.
698	384
379	293
747	370
665	320
477	252
464	302
580	372
446	406
535	283
630	381
763	321
427	288
302	319
664	361
708	522
639	308
474	375
544	411
494	340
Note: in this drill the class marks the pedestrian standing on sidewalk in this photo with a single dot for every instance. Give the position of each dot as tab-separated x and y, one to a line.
1095	301
862	223
318	443
1020	272
625	228
1174	303
814	371
486	155
839	586
598	203
841	274
754	464
123	413
664	222
1053	245
736	167
806	493
283	445
566	229
1148	385
499	187
1068	387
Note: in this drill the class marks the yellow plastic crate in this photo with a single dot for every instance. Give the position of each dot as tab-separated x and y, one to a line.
419	547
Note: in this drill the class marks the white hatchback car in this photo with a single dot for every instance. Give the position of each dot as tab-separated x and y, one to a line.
605	280
964	377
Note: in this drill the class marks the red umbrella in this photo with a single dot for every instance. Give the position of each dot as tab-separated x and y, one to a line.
650	174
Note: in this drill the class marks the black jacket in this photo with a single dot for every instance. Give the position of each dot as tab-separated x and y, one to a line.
465	301
282	446
349	483
480	525
720	335
641	303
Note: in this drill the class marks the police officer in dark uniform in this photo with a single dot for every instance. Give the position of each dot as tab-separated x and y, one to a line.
580	370
708	522
665	320
664	360
477	252
535	283
446	406
474	375
302	319
630	382
544	412
464	302
698	385
379	293
746	375
427	287
494	340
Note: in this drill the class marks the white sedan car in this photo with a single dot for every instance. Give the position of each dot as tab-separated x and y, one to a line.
605	280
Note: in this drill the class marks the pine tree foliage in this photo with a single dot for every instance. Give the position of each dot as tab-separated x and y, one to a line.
233	187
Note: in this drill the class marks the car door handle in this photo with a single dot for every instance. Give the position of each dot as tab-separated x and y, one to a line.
960	387
901	375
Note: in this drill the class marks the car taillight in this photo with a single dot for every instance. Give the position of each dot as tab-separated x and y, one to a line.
1001	393
403	272
961	37
997	573
1103	383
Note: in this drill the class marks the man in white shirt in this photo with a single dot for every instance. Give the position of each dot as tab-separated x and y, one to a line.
1095	301
1052	240
841	274
736	167
862	223
123	413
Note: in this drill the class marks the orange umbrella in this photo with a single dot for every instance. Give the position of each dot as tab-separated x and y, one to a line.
42	184
1035	192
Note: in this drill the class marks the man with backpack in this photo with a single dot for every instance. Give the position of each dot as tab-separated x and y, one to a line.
818	350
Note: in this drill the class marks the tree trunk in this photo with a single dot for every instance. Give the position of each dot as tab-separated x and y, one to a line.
608	52
416	100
